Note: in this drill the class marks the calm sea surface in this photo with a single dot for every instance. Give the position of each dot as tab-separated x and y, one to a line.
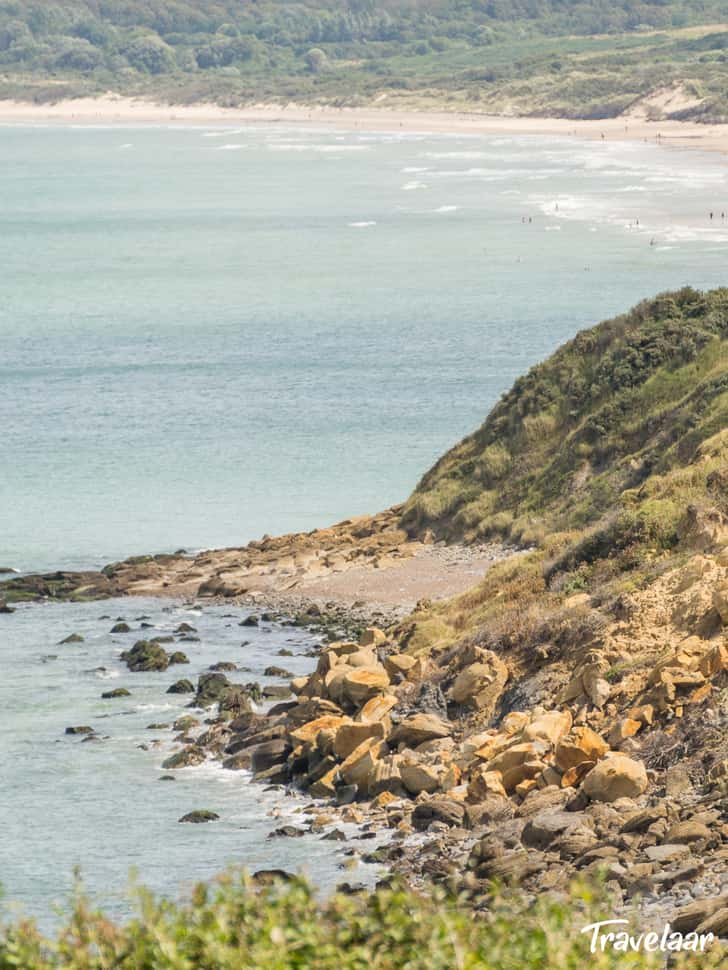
209	334
206	335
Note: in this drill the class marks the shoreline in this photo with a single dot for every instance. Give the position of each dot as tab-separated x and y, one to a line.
113	111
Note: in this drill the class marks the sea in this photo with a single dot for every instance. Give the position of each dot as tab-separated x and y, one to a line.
212	333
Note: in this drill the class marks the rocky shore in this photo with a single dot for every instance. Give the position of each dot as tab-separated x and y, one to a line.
478	766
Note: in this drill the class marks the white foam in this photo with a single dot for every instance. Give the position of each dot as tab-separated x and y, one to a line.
413	185
361	225
232	147
448	208
414	169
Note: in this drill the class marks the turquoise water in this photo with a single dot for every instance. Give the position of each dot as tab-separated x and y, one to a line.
209	334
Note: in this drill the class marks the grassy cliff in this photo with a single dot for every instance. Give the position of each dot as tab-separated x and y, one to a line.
609	461
626	419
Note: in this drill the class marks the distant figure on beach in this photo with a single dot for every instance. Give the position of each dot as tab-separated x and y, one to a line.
652	242
711	216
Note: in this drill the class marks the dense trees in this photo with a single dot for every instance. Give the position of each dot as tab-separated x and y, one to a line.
163	36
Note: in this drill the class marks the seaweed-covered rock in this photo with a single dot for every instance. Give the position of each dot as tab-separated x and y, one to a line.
72	638
146	655
200	815
183	686
186	758
116	692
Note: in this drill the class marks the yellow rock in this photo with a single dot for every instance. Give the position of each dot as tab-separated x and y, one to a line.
360	764
626	728
377	708
484	783
514	722
480	684
361	683
372	636
582	744
417	776
325	787
383	799
350	736
615	777
715	661
399	663
550	727
310	730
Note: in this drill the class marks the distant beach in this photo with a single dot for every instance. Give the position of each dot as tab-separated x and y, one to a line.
111	110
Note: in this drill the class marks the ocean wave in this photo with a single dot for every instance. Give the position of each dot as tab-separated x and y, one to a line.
360	225
414	184
447	208
414	169
232	147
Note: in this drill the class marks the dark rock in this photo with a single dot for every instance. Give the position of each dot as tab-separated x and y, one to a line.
201	815
185	723
81	729
269	753
276	672
121	628
186	758
234	700
72	638
335	835
438	810
183	686
276	692
209	688
146	655
224	665
268	877
166	778
163	638
116	692
178	658
346	794
4	608
284	652
287	831
157	726
185	628
250	621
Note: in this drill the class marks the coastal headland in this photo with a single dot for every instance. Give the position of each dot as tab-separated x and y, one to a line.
534	675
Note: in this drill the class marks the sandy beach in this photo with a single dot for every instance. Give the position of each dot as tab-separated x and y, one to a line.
112	110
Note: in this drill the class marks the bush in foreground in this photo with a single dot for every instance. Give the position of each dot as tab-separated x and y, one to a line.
235	925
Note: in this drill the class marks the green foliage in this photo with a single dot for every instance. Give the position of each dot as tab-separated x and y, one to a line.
577	58
614	436
234	925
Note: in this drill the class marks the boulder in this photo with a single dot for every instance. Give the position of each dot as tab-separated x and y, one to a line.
362	683
146	655
551	727
690	917
480	684
209	688
186	758
349	736
581	745
545	827
377	708
684	833
116	692
181	687
418	776
484	784
200	815
617	776
372	636
419	728
399	665
309	731
72	638
438	810
269	753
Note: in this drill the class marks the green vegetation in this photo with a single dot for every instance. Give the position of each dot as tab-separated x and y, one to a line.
235	926
625	420
610	459
577	58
